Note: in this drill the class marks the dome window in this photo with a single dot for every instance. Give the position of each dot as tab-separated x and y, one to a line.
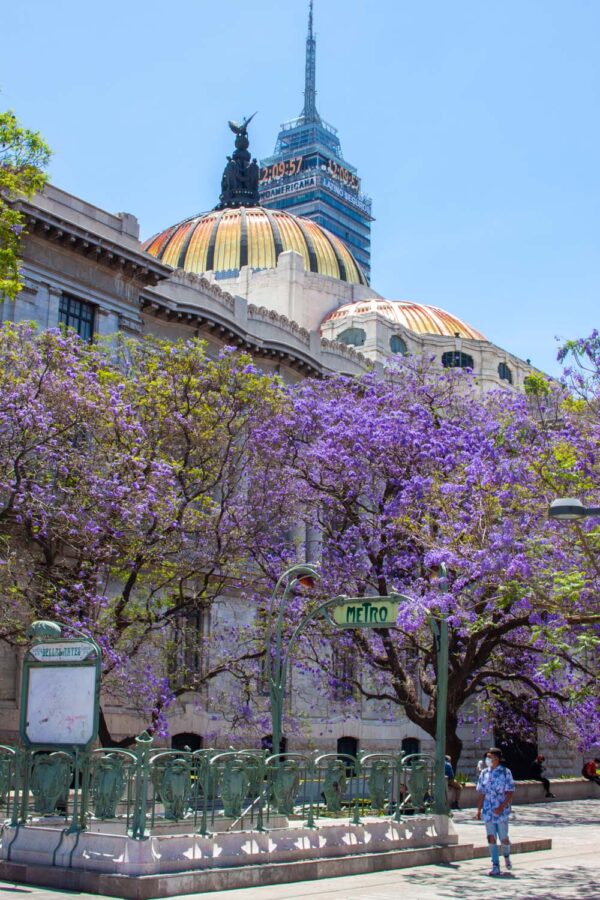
455	359
355	337
398	345
505	373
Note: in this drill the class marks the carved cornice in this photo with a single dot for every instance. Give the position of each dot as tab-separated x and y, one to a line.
129	262
228	331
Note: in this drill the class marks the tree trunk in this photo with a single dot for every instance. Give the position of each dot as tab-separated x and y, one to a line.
454	746
104	735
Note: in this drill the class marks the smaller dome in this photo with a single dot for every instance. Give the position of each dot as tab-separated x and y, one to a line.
414	316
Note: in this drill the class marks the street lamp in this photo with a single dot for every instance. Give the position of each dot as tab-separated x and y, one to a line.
569	509
306	576
439	626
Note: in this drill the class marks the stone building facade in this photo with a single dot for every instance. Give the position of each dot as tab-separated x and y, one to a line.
85	267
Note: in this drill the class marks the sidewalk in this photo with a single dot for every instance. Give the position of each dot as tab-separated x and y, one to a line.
570	870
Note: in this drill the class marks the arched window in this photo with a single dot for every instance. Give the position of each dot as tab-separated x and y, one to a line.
455	359
398	345
186	740
266	743
505	373
355	337
349	746
410	746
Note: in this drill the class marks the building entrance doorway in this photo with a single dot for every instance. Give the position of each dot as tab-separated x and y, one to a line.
518	754
186	740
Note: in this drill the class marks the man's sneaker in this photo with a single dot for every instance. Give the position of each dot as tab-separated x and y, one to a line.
495	872
508	863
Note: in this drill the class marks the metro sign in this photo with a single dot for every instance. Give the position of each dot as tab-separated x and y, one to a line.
366	612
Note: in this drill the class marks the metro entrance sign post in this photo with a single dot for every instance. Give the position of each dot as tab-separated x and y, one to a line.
439	626
357	612
60	701
60	689
342	611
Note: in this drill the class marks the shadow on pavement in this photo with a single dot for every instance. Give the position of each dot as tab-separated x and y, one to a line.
543	815
4	889
574	883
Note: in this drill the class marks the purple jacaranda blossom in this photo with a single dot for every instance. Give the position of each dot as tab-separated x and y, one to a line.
393	477
121	476
137	487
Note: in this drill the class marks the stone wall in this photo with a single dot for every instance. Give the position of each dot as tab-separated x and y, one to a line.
533	792
379	330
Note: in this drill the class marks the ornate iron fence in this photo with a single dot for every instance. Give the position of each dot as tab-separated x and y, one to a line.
152	789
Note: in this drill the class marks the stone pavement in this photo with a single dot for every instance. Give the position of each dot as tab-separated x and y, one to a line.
570	870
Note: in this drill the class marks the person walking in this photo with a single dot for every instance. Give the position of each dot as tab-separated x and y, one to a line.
495	788
536	773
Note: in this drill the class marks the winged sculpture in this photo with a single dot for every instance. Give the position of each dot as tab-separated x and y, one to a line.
239	184
241	129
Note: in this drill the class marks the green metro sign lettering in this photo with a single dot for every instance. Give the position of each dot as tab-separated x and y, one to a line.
366	612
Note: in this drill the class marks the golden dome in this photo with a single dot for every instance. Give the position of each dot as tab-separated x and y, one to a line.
417	318
227	239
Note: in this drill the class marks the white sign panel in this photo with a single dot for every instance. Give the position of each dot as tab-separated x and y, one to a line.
67	651
291	188
60	704
346	195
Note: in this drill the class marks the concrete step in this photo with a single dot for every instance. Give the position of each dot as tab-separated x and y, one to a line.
531	845
149	887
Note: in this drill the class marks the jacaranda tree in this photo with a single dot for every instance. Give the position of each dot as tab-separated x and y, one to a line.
122	480
23	158
399	475
141	482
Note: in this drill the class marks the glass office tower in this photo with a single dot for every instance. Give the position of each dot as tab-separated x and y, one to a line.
308	176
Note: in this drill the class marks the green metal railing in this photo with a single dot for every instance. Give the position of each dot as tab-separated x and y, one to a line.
150	789
278	657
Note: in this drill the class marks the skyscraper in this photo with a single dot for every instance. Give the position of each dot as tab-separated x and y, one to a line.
308	175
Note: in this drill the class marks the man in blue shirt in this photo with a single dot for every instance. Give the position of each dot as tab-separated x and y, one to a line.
448	769
451	783
495	788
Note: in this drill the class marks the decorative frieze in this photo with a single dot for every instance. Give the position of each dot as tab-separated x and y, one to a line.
180	276
347	351
269	315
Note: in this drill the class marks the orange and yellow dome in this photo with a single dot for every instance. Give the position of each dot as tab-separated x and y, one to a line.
226	240
417	318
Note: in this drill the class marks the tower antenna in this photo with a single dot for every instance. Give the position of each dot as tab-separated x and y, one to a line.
309	113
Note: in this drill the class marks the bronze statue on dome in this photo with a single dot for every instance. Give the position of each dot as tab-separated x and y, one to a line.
239	184
241	130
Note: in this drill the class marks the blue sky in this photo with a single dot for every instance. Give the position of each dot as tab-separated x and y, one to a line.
474	126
